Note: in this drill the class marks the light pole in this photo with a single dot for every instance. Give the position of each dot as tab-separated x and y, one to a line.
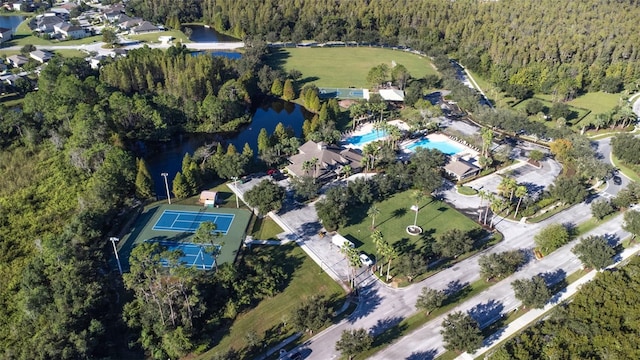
166	185
235	184
115	251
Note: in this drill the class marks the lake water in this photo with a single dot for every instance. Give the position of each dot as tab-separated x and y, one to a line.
200	33
11	21
169	155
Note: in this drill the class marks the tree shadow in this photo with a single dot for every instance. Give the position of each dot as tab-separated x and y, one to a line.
310	228
307	79
138	226
455	291
423	355
556	282
369	300
277	58
383	324
487	313
390	335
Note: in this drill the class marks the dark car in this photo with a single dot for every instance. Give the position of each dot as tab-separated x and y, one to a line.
617	180
296	356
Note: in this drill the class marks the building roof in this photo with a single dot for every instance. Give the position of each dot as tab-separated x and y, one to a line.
40	54
329	158
145	26
18	59
66	27
391	94
49	20
461	168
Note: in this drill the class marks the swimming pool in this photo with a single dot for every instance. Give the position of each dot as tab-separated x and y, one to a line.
361	140
447	147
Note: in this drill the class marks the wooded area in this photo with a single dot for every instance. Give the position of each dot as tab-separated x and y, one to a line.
554	47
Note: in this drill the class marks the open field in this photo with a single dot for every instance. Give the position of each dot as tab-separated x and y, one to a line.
597	102
435	217
577	114
307	279
70	53
345	67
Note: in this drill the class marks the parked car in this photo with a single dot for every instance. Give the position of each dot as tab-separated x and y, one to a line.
365	260
296	356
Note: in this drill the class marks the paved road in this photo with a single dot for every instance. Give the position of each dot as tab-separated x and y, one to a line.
97	47
383	307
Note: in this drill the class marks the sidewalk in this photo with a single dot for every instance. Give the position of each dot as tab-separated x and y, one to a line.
532	315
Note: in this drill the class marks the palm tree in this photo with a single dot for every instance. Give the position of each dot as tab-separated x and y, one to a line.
487	139
372	213
490	199
314	163
346	171
379	242
497	206
626	114
306	166
602	120
391	254
521	192
417	197
354	261
483	195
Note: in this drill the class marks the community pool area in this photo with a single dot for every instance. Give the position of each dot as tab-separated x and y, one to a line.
446	146
360	140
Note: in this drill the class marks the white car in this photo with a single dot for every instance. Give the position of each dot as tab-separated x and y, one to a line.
365	260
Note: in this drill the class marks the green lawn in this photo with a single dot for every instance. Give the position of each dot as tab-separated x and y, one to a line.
597	102
23	36
307	279
71	53
435	217
265	229
179	36
578	114
500	99
344	67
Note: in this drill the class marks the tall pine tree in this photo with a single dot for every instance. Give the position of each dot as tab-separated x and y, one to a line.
144	182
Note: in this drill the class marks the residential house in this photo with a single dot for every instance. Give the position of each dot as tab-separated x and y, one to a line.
323	161
94	62
69	31
461	169
112	15
59	12
128	23
144	27
5	35
40	56
45	24
17	60
17	6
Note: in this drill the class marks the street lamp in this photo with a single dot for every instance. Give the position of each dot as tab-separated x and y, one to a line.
115	251
235	184
166	185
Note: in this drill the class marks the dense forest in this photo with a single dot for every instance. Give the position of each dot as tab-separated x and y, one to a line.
559	47
601	322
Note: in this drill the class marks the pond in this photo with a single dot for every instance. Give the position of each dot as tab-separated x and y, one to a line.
228	54
201	33
10	21
168	157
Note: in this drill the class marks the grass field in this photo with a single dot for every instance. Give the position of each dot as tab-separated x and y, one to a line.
345	67
265	229
577	115
307	279
71	53
178	36
597	102
435	217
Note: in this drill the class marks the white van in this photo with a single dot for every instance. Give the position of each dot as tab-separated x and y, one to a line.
338	240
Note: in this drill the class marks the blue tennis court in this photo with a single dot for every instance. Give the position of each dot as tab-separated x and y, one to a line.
189	221
341	93
199	256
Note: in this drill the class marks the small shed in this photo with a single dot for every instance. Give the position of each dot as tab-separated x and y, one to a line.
208	197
